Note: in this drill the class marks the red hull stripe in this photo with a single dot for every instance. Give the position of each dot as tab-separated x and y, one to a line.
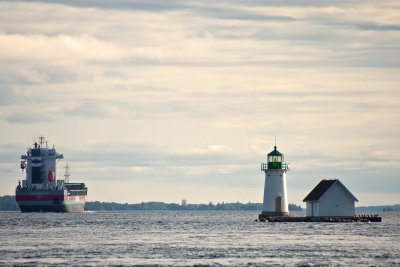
48	198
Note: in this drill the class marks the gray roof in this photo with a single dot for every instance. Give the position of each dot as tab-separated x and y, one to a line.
322	188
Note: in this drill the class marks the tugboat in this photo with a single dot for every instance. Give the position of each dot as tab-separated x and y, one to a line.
41	191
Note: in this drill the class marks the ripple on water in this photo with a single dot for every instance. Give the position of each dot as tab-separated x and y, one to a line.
192	238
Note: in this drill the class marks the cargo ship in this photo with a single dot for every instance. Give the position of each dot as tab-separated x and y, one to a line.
41	191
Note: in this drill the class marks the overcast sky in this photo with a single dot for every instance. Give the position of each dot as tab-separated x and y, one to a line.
170	100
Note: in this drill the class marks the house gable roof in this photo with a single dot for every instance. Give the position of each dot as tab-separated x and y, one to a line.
319	190
322	188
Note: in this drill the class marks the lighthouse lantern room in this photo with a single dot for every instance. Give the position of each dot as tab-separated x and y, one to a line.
275	192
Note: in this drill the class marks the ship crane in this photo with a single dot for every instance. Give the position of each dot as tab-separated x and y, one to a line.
66	175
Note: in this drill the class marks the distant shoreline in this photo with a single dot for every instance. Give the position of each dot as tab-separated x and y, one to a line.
7	203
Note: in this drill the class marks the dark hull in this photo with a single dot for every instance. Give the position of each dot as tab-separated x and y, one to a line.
53	208
67	200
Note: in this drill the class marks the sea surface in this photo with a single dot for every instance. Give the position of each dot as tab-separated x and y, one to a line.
185	238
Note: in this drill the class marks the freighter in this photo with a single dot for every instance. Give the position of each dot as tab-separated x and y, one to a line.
41	191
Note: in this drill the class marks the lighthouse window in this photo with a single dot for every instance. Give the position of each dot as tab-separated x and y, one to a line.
274	158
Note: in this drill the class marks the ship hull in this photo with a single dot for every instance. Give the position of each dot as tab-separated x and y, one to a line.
35	207
51	200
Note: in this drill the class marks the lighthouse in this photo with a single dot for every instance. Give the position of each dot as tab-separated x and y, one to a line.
275	192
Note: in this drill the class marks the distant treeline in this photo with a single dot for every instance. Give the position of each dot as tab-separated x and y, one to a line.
173	206
7	203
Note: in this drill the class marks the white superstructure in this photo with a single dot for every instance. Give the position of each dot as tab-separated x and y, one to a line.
275	192
40	164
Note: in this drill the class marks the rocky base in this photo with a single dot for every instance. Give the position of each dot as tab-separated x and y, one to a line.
274	214
362	218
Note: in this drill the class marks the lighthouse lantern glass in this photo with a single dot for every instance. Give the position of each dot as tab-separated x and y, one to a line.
274	158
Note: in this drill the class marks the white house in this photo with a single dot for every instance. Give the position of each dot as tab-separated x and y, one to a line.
330	198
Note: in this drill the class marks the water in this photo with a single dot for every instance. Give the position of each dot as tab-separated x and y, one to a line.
192	238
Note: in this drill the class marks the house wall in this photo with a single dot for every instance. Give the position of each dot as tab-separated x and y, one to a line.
312	209
336	202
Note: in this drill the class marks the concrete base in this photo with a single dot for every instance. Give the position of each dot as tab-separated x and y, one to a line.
266	214
373	218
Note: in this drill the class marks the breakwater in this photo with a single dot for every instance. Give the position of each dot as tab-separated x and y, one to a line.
360	218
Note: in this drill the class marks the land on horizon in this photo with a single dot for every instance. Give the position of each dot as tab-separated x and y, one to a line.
8	203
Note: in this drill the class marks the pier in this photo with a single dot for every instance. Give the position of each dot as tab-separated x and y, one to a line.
360	218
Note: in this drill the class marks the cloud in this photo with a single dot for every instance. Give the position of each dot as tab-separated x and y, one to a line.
191	94
88	109
9	96
60	48
30	73
210	9
28	118
221	12
151	156
378	27
119	4
317	37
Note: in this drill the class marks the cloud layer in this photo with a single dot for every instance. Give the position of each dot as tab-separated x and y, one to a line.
183	99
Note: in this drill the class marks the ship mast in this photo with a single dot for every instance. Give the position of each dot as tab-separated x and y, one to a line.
41	140
66	175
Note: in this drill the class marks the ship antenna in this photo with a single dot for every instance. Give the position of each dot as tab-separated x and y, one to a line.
66	175
41	140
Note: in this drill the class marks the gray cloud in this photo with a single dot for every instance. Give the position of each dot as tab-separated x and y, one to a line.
31	117
9	153
120	4
188	6
177	4
378	27
89	109
9	96
29	73
152	156
233	14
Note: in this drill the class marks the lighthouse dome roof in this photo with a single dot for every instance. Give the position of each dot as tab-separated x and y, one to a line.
275	152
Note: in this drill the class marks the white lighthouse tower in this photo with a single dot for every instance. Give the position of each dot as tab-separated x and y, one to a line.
275	192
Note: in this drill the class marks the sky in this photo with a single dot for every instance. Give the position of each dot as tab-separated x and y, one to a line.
169	100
